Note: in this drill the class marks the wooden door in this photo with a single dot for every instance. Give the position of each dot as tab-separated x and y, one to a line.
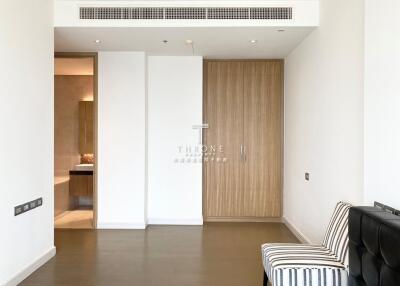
263	127
243	107
223	111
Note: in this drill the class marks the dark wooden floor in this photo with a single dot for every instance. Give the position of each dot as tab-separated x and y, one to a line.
215	254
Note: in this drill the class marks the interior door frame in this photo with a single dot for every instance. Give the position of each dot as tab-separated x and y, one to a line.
204	203
94	56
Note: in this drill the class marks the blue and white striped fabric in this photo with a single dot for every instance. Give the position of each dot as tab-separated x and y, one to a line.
311	265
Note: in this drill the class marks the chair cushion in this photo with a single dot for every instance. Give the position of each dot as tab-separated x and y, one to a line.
300	264
336	237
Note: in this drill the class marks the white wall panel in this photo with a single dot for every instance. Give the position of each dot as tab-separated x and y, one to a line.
382	102
27	136
324	119
121	139
174	106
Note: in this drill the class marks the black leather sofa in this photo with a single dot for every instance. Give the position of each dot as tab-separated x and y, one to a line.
374	247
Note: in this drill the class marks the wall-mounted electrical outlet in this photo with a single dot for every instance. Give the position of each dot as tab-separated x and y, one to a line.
27	206
307	176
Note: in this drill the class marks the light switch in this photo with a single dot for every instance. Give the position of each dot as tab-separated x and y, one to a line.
28	206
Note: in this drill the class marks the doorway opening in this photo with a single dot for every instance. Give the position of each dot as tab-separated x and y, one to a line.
75	140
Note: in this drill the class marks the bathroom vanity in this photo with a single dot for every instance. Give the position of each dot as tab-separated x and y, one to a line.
81	183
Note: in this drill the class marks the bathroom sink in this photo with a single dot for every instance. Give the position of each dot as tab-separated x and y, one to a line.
84	167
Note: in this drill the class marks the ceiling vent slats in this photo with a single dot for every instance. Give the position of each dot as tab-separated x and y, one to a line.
228	13
271	13
185	13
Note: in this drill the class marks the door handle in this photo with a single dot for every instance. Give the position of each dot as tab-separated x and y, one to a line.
242	153
200	127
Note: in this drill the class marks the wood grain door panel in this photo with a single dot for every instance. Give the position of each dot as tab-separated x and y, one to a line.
263	138
243	106
223	105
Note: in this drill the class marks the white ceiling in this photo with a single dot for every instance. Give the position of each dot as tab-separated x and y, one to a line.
210	42
73	66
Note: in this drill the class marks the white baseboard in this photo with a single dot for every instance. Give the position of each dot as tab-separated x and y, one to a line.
112	225
32	267
161	221
300	236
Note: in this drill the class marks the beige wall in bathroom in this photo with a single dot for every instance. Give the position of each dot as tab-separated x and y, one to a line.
68	91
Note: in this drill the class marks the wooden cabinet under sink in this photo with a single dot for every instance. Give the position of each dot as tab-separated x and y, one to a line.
81	184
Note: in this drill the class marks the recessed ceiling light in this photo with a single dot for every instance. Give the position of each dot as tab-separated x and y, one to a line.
97	41
189	42
281	30
253	41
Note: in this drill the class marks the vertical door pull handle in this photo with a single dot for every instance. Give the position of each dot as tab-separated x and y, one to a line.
241	152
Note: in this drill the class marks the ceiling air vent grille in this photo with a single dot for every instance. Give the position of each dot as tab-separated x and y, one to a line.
228	13
118	13
271	13
186	13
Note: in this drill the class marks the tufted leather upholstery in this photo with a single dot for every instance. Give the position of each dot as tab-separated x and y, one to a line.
374	247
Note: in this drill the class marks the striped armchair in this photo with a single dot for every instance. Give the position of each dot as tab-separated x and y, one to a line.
311	265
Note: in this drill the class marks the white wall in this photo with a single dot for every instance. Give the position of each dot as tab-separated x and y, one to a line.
26	144
174	106
324	119
382	102
121	139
